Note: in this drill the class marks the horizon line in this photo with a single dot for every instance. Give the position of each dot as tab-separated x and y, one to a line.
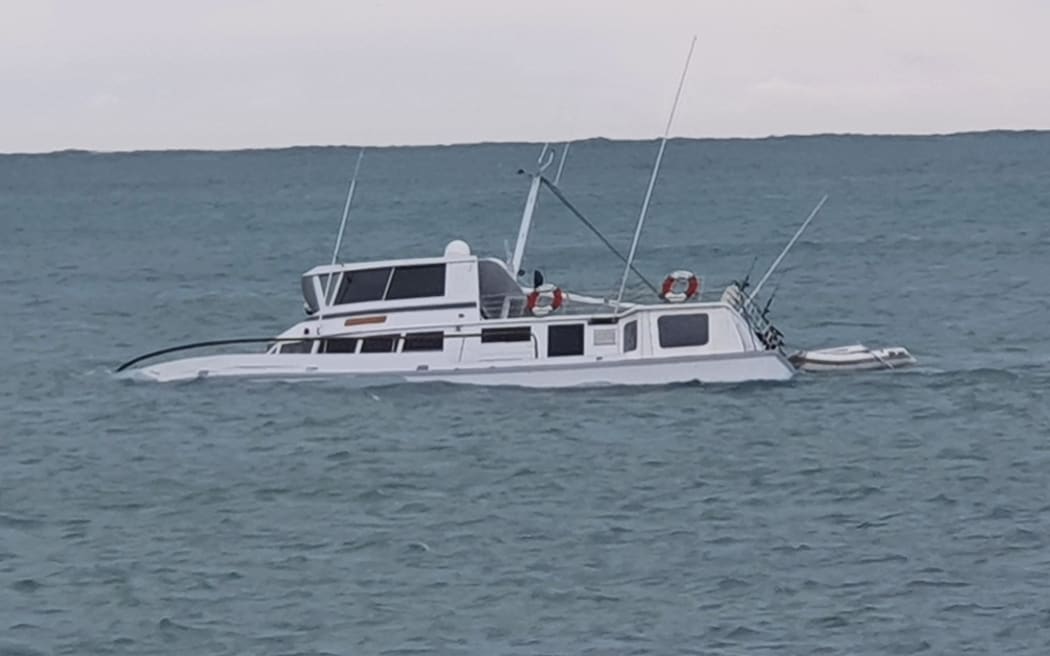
511	142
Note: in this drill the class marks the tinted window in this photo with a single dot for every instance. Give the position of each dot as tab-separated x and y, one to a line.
360	286
424	342
383	344
565	340
348	345
682	330
328	286
506	335
630	337
309	294
417	282
297	347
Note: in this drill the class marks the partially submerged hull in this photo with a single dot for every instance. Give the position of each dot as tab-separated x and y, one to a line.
461	318
729	368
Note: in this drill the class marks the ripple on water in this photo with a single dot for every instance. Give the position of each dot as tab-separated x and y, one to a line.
12	648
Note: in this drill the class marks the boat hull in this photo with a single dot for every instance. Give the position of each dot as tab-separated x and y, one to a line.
729	368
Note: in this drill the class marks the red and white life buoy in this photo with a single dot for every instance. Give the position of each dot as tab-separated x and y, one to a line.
670	289
553	296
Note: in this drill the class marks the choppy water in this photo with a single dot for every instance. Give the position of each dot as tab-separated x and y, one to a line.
847	514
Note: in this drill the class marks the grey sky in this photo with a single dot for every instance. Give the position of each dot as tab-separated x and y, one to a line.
126	74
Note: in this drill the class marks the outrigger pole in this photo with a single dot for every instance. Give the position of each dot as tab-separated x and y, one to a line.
652	178
776	262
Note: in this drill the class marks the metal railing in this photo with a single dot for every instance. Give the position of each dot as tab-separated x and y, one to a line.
505	306
757	319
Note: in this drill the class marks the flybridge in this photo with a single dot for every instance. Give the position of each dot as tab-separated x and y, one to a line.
484	285
328	288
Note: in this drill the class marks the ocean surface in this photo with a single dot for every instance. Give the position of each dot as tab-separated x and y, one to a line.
866	513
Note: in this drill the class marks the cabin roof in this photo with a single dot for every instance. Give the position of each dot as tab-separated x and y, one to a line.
455	252
382	264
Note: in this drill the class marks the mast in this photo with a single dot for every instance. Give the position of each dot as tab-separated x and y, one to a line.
530	209
514	261
652	177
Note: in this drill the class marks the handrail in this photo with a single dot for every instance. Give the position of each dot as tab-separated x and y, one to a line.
756	319
400	332
214	342
750	311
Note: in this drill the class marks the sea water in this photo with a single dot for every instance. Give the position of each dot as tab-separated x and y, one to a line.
864	513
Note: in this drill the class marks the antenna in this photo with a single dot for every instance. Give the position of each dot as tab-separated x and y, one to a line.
561	164
652	178
747	278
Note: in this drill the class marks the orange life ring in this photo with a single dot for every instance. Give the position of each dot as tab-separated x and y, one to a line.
554	295
669	291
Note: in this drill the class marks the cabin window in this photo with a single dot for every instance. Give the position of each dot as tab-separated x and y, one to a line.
381	344
297	347
683	330
344	345
364	285
330	285
424	342
630	337
565	340
417	282
515	334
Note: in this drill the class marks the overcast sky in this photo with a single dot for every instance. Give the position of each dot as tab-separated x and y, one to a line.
137	74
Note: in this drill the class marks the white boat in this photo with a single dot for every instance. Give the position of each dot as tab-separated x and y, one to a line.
465	319
462	318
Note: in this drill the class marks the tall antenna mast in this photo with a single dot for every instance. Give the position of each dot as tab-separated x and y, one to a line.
652	178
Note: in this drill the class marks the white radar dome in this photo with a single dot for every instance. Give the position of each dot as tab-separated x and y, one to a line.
457	248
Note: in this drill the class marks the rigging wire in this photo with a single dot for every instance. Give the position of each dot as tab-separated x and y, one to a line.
583	219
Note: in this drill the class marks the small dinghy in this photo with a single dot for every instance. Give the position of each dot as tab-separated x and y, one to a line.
852	358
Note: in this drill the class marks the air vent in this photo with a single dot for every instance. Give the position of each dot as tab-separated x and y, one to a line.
605	337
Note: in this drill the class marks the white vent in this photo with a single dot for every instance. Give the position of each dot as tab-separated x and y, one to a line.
605	337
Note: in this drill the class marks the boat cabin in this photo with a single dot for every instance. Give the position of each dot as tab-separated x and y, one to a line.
478	288
475	309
